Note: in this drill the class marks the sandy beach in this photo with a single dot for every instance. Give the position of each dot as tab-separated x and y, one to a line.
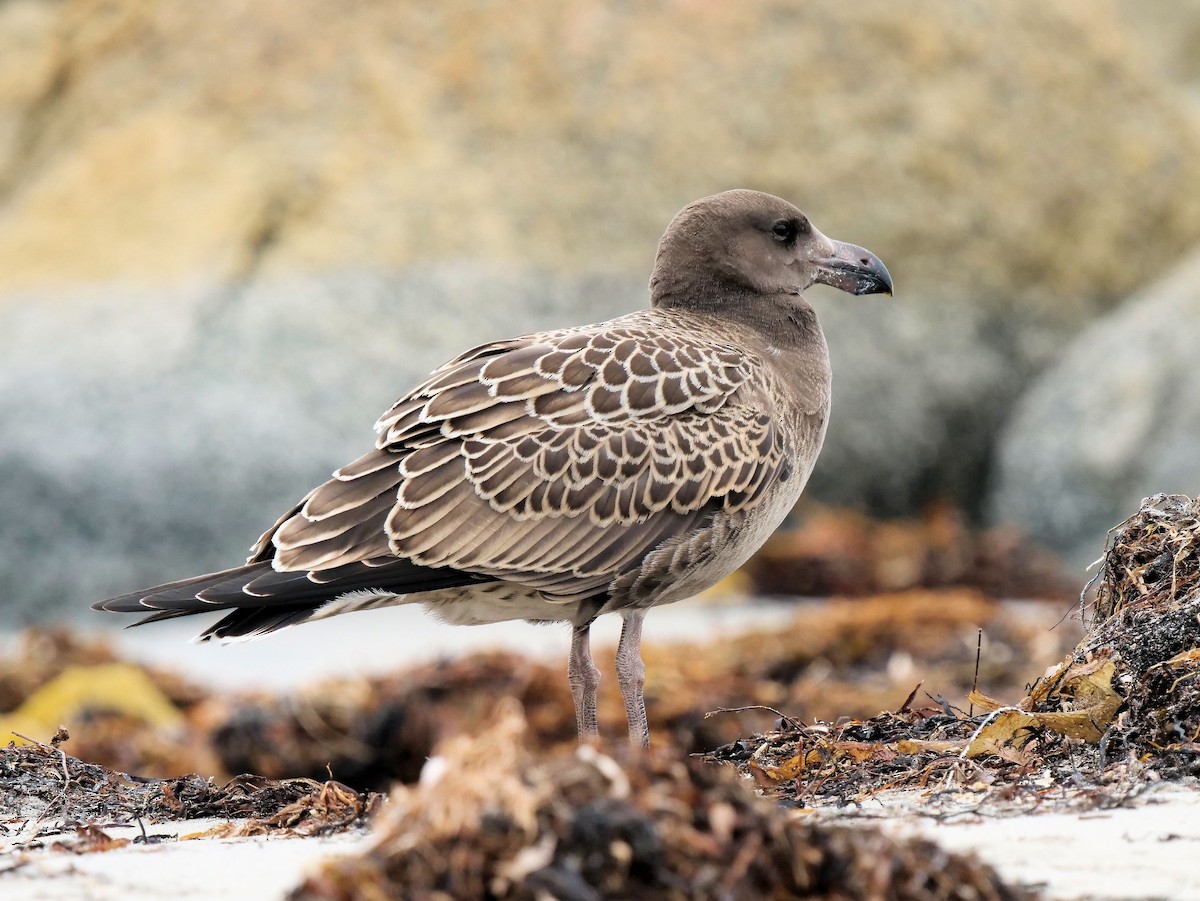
1146	849
1149	850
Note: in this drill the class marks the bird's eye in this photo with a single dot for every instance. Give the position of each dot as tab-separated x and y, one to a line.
784	230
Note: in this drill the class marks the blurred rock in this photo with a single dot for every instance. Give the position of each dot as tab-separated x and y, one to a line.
1118	419
1003	152
202	208
1169	31
919	392
149	438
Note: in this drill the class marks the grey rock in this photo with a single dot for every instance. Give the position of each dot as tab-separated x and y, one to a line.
142	437
1168	40
149	441
1115	420
919	392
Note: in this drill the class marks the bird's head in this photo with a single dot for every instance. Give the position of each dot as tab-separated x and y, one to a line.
749	240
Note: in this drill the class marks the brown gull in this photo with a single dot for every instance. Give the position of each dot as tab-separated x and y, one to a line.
565	474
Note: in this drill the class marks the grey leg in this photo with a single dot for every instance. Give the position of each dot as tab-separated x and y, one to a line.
584	679
631	674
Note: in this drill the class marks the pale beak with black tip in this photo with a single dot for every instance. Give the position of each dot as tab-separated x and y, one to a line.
852	269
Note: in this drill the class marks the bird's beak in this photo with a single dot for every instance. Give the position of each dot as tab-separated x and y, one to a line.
853	269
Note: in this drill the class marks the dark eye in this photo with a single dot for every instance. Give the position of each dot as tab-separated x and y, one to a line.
785	230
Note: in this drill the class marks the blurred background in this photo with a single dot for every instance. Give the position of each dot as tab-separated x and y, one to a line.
231	234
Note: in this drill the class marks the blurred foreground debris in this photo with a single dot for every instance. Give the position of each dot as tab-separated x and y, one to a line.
492	821
841	552
1122	710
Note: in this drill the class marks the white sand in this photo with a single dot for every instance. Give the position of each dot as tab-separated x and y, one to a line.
1148	851
235	868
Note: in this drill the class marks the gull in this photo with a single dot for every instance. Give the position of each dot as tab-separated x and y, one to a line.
562	475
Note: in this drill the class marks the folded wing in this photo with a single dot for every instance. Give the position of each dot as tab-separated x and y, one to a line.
556	461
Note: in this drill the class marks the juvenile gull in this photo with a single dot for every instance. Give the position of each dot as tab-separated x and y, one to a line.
557	476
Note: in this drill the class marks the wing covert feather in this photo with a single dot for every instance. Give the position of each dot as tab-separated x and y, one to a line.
558	460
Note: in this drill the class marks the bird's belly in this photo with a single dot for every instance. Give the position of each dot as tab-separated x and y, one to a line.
493	602
745	537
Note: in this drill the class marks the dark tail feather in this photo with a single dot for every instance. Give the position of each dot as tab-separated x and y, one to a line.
162	615
182	593
262	600
252	621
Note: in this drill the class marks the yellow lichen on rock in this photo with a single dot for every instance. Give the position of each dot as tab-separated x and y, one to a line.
1024	142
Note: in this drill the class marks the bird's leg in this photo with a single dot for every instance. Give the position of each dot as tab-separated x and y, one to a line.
631	674
584	679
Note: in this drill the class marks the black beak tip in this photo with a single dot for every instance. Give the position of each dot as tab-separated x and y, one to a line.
854	270
883	283
874	277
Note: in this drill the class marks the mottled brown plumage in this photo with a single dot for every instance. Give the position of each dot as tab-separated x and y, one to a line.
565	474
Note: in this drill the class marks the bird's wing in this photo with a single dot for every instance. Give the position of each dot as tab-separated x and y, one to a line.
557	460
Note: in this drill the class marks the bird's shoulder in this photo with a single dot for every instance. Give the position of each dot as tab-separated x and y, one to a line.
650	365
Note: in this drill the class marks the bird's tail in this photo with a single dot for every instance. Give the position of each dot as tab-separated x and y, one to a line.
260	599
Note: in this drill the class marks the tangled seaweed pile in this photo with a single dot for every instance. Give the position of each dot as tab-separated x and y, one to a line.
495	823
1130	689
48	792
1124	706
1147	627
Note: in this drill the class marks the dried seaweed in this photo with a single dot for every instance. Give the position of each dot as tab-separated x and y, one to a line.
89	840
1121	708
495	822
847	762
851	657
326	808
44	785
1153	558
514	814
